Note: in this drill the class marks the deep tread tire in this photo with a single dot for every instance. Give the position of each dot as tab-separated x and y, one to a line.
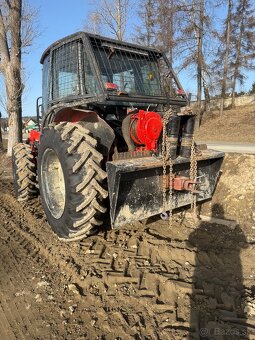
83	176
24	172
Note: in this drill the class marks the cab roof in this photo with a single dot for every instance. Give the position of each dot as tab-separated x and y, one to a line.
95	37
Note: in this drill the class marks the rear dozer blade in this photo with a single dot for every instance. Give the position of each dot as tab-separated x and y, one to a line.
136	185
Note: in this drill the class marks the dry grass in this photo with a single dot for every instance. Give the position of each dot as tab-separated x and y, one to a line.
236	125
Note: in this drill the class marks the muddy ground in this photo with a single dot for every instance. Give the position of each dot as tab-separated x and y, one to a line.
144	281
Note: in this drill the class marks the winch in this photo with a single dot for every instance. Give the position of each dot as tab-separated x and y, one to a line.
145	129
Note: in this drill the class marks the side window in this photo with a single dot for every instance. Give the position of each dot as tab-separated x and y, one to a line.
45	84
167	81
67	71
90	79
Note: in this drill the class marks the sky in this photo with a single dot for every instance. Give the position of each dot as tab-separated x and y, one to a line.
57	19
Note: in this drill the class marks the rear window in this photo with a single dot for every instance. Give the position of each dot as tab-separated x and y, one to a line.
133	71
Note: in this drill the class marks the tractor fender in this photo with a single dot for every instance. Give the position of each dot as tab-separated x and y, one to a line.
93	122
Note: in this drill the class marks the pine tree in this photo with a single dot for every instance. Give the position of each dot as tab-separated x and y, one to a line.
145	32
194	26
226	38
167	27
243	35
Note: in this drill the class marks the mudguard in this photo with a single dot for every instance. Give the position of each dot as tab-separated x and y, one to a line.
93	122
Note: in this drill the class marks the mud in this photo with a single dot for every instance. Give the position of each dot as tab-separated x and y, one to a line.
144	281
235	191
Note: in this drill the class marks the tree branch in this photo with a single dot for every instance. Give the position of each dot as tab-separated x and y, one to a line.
8	4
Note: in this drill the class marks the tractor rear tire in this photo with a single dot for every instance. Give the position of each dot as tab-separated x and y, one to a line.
24	172
71	180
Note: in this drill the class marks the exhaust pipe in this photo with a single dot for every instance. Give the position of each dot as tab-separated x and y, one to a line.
172	130
188	127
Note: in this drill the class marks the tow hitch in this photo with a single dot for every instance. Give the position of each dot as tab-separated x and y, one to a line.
182	183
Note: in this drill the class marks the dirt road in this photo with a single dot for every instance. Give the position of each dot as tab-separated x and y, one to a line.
145	281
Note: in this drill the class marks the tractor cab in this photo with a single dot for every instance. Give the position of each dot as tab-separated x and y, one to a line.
99	70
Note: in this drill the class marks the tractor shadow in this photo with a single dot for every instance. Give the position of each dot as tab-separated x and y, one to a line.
217	308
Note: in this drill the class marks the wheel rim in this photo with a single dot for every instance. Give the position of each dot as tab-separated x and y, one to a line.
53	183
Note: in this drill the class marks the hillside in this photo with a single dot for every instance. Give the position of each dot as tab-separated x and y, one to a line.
236	125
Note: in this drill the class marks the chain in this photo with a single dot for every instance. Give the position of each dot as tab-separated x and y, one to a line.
171	179
167	157
167	161
193	176
164	161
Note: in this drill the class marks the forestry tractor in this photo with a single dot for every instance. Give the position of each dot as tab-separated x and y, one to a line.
116	135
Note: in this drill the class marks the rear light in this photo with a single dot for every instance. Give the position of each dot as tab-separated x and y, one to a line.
180	92
111	86
34	136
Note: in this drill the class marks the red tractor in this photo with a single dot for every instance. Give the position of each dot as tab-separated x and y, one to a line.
116	135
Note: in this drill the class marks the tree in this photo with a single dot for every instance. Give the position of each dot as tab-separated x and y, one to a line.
252	90
145	32
198	30
1	138
226	38
16	33
243	35
93	23
112	15
193	28
10	50
167	27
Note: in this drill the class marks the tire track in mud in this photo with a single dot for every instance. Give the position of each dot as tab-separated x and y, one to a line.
16	224
12	307
5	326
20	314
78	318
112	264
142	277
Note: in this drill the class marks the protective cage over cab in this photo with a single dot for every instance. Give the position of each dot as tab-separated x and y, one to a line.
91	68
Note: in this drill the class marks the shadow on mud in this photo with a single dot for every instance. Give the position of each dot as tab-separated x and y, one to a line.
217	300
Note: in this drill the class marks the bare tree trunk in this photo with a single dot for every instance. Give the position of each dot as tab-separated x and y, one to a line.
233	95
225	70
14	107
113	15
238	58
166	27
11	69
119	21
171	36
145	31
205	87
149	22
200	60
171	31
1	137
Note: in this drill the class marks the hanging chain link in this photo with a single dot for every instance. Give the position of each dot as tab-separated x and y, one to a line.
164	161
193	176
167	161
171	180
168	179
